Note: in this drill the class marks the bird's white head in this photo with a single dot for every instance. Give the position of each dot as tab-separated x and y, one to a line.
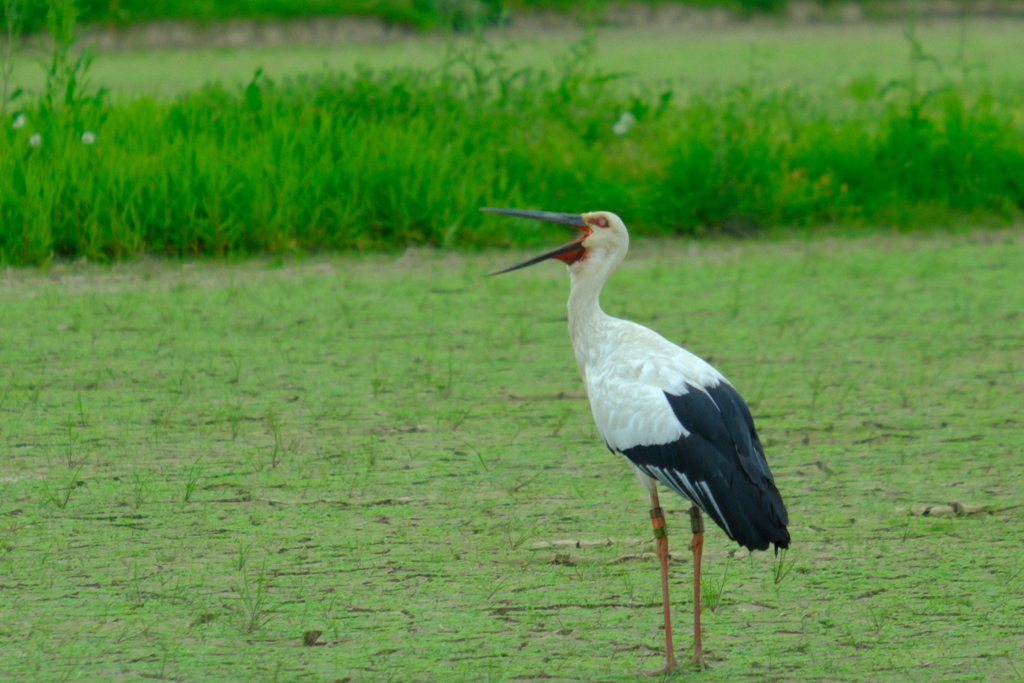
600	248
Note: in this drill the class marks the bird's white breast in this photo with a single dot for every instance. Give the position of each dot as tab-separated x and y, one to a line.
627	369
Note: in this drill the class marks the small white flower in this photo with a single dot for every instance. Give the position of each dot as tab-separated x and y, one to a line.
19	121
624	124
36	140
88	137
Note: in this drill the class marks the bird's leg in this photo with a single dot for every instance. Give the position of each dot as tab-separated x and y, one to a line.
661	538
697	546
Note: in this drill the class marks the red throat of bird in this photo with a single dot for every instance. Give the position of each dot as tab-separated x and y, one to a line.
579	253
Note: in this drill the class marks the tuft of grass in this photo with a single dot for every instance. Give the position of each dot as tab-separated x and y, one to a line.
140	490
234	416
711	592
781	568
370	450
455	417
135	584
255	461
61	496
192	476
516	535
279	450
244	550
69	446
253	596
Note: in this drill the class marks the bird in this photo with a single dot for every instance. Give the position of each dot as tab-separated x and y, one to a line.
677	420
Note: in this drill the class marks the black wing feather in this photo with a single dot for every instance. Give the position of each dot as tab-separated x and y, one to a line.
720	466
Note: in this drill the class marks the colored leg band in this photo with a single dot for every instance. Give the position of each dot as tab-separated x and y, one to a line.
658	521
696	521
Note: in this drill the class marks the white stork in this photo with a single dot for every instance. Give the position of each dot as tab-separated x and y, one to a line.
676	418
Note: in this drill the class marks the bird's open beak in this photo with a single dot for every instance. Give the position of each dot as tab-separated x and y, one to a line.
567	253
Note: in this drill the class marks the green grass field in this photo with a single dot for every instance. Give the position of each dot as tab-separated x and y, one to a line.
820	55
200	462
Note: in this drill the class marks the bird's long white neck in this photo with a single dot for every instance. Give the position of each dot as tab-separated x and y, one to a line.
585	314
587	322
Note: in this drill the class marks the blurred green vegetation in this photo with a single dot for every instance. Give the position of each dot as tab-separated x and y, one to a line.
419	13
383	160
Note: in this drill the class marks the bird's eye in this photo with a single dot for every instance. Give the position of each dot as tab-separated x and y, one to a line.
603	222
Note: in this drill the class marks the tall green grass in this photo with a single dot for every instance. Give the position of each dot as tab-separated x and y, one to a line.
383	160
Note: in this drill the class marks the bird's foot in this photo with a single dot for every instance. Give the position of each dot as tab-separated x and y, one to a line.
671	665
